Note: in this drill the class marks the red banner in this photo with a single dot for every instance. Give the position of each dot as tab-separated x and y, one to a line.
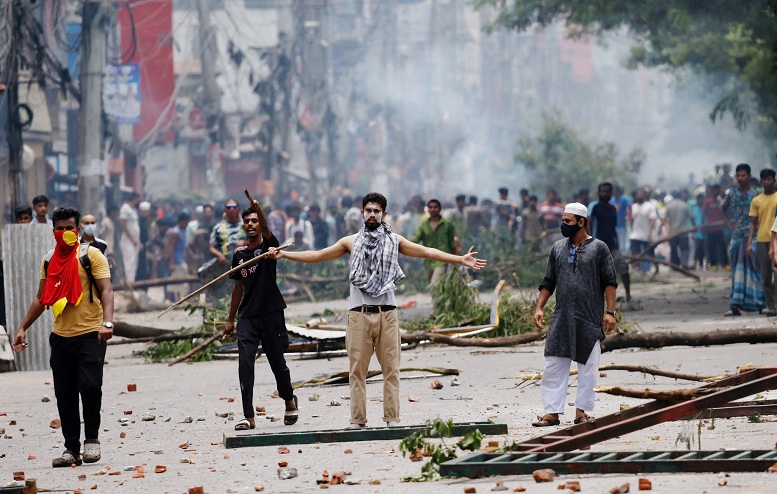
147	39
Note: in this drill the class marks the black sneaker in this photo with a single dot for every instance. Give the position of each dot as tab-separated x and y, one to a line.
67	459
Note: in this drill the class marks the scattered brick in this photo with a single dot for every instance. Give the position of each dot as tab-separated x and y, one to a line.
196	490
132	387
283	450
123	435
544	475
127	412
645	485
348	451
55	424
160	469
283	464
573	485
18	475
623	489
470	490
338	478
436	384
519	489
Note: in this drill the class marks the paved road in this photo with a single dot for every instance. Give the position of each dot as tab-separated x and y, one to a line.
489	388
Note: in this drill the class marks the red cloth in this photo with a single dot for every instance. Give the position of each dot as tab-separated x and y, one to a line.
63	284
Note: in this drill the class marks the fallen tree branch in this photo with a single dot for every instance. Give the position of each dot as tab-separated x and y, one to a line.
676	267
127	330
155	282
482	342
679	233
705	338
154	339
342	377
648	394
196	349
655	371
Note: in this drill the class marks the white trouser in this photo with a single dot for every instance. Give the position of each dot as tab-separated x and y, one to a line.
555	379
129	255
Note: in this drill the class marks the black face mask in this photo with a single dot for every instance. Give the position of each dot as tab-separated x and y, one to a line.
605	198
570	230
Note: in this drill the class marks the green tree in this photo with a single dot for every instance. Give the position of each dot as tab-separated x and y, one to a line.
733	43
562	160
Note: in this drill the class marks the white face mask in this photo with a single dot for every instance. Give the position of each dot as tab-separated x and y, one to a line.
90	229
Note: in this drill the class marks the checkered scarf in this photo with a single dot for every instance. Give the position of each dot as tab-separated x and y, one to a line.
375	261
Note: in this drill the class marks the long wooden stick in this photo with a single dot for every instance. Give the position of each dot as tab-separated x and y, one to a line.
204	287
676	267
679	233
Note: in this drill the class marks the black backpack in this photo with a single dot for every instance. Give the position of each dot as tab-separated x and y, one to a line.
83	257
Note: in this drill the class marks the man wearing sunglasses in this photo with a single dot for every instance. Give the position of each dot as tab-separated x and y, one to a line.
581	272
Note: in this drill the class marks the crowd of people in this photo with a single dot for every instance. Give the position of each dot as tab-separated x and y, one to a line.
587	240
144	240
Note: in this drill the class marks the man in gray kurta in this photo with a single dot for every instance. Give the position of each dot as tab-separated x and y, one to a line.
582	274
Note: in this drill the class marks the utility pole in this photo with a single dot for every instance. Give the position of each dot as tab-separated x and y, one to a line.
91	168
13	128
211	103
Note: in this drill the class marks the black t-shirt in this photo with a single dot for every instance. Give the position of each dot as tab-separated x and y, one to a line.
605	220
261	294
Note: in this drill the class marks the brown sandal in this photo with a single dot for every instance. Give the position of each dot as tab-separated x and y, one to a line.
545	421
584	419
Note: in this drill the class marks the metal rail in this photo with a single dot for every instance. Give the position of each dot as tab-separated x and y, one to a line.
242	440
486	464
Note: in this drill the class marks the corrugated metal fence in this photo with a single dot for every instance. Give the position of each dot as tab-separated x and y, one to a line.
24	247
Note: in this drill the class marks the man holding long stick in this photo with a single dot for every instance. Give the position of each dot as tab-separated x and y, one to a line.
372	320
259	305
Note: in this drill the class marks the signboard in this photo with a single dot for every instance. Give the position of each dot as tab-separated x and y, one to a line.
121	93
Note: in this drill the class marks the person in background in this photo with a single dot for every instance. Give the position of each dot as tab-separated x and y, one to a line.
746	284
88	231
22	214
107	228
699	255
602	221
276	220
145	221
762	213
175	244
438	233
714	236
678	216
532	227
227	233
320	227
41	206
296	224
622	204
130	236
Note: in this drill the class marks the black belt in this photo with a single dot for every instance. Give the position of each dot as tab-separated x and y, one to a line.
374	308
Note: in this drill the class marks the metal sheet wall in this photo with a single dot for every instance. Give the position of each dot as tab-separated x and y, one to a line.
24	247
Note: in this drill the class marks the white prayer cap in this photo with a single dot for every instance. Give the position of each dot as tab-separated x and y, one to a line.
144	206
576	208
668	197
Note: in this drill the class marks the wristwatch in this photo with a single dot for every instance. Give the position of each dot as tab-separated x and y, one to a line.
108	324
612	313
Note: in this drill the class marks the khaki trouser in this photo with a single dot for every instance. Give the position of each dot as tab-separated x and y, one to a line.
368	332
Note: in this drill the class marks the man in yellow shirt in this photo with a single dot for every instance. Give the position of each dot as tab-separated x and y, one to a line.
762	211
83	313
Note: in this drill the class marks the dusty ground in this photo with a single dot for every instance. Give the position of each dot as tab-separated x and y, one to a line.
489	389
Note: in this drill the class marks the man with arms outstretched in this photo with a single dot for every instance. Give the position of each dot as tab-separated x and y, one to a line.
372	319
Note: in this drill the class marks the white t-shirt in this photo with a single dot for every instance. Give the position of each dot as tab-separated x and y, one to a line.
128	213
641	215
